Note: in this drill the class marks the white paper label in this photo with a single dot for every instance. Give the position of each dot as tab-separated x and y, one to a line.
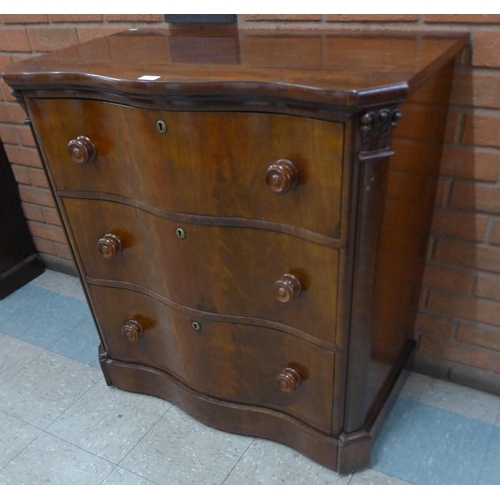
148	77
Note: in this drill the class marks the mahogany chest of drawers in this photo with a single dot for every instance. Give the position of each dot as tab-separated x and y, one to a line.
249	214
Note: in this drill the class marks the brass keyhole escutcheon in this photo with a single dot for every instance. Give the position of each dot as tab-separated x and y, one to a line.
161	126
196	326
181	234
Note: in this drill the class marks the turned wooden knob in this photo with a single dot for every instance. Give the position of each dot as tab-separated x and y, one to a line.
287	288
288	380
132	330
282	176
109	246
81	150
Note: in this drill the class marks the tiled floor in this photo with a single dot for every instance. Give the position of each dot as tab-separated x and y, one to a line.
61	424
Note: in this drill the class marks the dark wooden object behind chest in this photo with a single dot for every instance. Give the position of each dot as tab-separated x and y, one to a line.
249	213
19	261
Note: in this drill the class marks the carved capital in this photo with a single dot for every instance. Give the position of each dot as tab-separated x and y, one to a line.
376	129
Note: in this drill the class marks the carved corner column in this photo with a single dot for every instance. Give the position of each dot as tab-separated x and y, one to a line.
374	152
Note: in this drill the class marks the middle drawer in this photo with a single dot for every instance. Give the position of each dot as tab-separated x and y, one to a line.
243	272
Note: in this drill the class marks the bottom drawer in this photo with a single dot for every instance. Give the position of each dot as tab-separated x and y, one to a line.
229	361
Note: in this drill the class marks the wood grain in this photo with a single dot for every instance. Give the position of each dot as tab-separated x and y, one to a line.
215	269
207	163
227	361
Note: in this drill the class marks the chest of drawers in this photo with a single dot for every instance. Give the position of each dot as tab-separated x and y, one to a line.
249	214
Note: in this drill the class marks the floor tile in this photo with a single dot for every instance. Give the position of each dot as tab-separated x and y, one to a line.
80	343
60	283
269	463
490	473
179	450
452	397
49	460
45	388
15	355
14	436
109	422
124	477
422	444
371	477
18	300
46	319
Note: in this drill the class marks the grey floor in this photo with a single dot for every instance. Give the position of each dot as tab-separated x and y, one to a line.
61	424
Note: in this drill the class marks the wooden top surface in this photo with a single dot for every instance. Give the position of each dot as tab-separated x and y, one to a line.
346	69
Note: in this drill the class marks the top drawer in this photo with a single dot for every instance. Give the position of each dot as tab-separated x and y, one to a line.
207	163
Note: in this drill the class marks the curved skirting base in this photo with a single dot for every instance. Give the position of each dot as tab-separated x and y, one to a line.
223	415
348	453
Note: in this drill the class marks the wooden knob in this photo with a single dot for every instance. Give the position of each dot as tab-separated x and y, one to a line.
282	176
132	330
288	380
81	150
287	288
109	246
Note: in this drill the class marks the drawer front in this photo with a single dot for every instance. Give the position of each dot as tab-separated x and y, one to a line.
213	164
229	361
223	270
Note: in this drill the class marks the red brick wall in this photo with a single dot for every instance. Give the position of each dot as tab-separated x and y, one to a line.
458	326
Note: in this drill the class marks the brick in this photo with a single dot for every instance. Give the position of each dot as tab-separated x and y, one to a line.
456	352
75	18
488	287
33	212
487	49
497	366
87	34
6	91
475	197
482	337
44	246
469	308
371	17
5	60
38	178
15	40
481	130
47	232
23	156
462	18
51	216
21	174
25	136
157	18
467	255
470	164
63	251
23	18
476	89
38	196
459	225
447	279
4	113
48	39
282	17
451	130
442	192
8	134
436	325
15	114
495	234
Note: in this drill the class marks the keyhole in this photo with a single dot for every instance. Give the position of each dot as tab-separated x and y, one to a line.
180	233
161	126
